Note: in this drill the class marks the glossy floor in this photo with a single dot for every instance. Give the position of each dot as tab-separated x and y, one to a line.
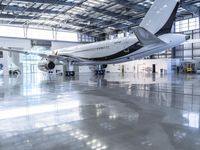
130	112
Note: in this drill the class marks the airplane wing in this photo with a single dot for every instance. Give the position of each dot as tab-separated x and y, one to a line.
43	55
145	37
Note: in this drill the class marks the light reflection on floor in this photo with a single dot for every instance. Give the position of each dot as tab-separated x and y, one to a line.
114	112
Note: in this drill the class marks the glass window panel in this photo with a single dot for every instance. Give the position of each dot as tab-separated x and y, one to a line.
192	20
197	52
192	26
111	37
184	25
121	35
177	23
188	53
177	26
179	53
187	46
193	23
196	36
197	19
196	45
197	23
177	29
184	22
183	29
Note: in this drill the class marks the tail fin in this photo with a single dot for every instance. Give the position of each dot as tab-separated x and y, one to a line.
160	17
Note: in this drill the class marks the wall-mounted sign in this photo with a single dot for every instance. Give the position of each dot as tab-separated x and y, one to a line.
43	43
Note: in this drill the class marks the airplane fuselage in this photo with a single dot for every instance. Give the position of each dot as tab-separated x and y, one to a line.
127	47
99	50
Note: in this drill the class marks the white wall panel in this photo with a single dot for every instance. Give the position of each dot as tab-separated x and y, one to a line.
144	66
58	45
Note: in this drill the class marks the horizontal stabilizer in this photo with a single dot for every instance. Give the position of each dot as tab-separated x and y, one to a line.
145	37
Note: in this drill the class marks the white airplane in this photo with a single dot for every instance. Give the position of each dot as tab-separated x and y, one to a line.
151	36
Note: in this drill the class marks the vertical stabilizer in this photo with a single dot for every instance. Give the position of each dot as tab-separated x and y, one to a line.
160	17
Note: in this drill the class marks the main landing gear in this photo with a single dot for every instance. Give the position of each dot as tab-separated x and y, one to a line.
70	73
100	70
69	70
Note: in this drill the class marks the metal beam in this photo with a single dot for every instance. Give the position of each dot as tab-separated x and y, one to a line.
118	26
112	14
22	23
131	5
51	2
192	8
10	16
188	2
15	8
189	6
61	2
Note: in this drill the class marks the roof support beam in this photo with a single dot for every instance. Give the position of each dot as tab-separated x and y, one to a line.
51	2
112	14
9	16
22	23
134	6
29	10
191	8
188	2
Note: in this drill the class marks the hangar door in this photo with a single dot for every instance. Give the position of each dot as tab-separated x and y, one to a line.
30	62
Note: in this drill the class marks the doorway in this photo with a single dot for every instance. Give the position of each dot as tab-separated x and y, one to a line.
123	69
154	68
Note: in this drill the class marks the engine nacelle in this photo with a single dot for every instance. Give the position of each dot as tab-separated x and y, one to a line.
46	65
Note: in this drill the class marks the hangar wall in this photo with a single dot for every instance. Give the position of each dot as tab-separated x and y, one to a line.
146	66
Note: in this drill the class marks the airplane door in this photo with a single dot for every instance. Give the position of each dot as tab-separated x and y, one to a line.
153	68
123	69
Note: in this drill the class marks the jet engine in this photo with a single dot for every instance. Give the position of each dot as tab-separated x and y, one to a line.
46	65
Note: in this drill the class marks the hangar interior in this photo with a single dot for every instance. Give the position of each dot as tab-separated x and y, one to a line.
150	103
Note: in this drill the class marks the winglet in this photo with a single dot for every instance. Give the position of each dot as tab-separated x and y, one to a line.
145	37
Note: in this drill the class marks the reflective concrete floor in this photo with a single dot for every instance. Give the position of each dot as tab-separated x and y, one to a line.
130	112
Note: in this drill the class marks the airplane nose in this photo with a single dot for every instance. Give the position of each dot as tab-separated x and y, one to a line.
187	37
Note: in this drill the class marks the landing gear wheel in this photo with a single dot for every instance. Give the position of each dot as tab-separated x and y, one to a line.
70	73
99	72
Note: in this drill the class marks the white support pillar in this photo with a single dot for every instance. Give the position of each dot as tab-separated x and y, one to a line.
6	63
26	30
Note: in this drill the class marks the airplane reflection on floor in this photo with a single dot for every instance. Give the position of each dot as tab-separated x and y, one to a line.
110	112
